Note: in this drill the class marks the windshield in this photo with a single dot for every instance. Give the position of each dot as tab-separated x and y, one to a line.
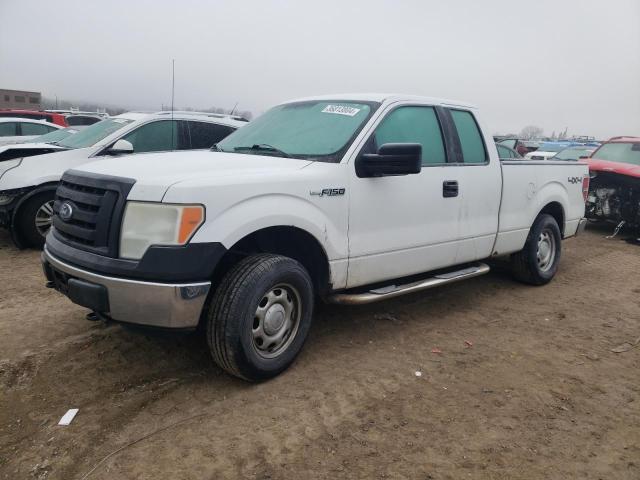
619	152
319	130
572	153
54	136
93	134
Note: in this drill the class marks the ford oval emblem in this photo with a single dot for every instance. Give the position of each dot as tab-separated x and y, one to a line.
66	211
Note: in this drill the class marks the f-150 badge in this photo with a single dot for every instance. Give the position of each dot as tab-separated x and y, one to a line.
330	192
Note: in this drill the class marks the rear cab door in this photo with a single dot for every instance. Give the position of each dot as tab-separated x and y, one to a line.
476	169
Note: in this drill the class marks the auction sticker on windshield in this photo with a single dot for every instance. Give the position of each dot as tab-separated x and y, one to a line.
341	110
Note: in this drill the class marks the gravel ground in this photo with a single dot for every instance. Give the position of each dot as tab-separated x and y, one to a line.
516	382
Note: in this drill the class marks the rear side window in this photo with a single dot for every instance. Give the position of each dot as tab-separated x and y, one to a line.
34	129
8	129
470	138
204	135
158	136
414	125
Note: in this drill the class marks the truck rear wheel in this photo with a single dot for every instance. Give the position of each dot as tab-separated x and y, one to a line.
259	316
537	262
34	219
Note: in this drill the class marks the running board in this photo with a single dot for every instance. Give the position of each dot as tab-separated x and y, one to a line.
391	291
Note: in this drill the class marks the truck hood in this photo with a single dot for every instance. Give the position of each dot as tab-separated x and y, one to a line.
628	169
154	173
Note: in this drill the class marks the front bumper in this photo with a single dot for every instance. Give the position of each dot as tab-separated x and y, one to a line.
165	305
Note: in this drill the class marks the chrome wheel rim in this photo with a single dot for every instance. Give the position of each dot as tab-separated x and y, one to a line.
276	320
44	218
546	251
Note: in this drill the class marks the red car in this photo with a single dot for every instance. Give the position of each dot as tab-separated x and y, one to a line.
56	118
614	192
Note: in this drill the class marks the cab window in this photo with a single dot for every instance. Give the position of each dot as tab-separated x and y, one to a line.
414	124
473	150
158	136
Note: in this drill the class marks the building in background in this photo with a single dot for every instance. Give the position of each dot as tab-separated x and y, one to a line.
20	99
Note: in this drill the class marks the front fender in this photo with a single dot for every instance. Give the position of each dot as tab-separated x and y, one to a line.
235	222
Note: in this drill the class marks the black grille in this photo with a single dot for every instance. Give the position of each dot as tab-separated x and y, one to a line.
96	204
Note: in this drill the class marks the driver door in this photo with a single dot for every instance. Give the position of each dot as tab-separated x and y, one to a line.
403	225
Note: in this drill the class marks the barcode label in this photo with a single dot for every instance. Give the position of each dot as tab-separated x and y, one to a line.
341	110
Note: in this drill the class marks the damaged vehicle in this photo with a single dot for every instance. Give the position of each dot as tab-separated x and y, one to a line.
614	193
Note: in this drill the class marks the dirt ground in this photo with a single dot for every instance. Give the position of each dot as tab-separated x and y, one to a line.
537	392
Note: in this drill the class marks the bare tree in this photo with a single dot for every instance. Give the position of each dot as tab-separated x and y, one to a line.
531	131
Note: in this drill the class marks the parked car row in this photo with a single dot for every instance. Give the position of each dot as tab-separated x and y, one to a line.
240	239
29	174
63	118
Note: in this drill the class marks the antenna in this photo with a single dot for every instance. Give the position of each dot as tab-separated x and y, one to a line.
234	108
173	89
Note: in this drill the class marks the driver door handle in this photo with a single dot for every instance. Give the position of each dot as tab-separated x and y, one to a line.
450	188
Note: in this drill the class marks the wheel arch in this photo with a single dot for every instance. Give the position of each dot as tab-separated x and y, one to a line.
556	210
287	240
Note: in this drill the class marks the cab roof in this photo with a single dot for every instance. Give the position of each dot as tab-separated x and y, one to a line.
384	97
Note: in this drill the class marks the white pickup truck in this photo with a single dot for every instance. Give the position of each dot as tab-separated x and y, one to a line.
350	198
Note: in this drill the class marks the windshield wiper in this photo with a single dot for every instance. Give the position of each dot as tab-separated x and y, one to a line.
264	147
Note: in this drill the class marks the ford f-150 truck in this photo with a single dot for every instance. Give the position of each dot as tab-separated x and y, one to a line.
350	198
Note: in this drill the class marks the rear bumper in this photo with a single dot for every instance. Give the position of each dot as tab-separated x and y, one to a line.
582	224
165	305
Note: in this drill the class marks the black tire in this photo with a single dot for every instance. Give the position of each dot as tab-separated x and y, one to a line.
238	319
527	265
25	221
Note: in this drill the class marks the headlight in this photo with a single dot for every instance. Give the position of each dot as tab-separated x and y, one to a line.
146	224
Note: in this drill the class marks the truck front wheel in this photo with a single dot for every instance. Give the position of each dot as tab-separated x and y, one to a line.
259	316
537	262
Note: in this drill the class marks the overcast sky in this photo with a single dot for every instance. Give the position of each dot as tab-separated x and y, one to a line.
554	64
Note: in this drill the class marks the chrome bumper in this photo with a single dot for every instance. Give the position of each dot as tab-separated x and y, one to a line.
582	224
131	301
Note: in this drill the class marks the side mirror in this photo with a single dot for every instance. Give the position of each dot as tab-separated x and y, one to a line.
120	147
391	159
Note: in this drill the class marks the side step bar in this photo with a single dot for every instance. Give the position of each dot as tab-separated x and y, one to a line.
391	291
